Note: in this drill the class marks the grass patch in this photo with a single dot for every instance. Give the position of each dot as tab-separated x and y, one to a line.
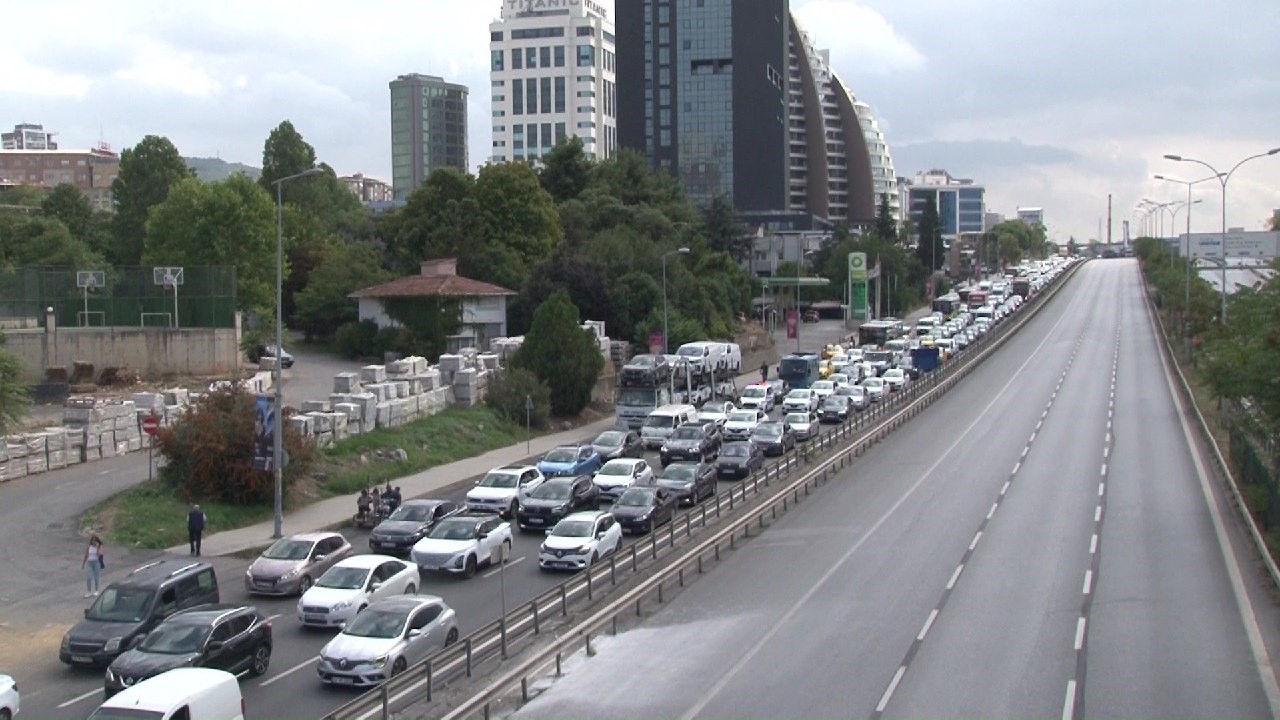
154	516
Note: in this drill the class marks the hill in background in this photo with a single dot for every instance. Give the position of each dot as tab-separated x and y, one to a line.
213	169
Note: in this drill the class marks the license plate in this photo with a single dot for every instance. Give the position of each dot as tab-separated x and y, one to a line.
81	659
385	544
313	618
535	521
340	680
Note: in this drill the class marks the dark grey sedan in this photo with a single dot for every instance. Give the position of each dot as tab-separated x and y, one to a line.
739	459
641	509
774	438
408	524
613	444
688	482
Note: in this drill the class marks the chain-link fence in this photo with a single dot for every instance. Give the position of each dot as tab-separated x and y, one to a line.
1253	456
200	296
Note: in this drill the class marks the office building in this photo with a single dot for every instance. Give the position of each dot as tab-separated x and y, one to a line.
91	170
28	136
1031	215
428	129
990	220
369	190
553	72
961	204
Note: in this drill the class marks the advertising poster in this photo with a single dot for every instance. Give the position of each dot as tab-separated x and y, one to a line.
264	432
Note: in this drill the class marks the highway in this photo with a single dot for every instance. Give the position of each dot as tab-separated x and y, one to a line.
1039	543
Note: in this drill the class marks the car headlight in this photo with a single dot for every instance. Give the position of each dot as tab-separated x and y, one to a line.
291	574
248	574
111	676
458	560
580	550
563	508
66	641
112	645
343	604
379	661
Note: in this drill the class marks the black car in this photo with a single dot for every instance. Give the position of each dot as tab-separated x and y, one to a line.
834	409
646	371
614	444
774	438
739	459
692	441
408	524
688	482
546	504
642	508
235	638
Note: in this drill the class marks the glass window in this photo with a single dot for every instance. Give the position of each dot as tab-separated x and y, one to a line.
560	94
547	137
544	56
531	57
517	97
586	56
517	59
495	35
546	94
559	56
531	98
533	135
560	133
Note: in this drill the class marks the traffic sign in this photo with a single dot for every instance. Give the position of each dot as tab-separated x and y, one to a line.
150	424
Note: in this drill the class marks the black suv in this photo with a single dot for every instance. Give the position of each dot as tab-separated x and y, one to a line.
408	524
546	504
130	607
646	371
235	638
692	441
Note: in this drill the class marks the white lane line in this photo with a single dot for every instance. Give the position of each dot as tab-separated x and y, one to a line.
933	615
955	576
1080	624
1088	581
1097	514
1104	468
104	472
290	671
79	698
1106	452
497	570
1093	544
1033	438
1038	424
1016	467
1069	705
976	538
1004	489
1025	450
1044	414
1102	489
992	511
893	685
1108	428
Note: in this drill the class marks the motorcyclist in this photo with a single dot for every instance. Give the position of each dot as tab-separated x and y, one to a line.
363	504
391	497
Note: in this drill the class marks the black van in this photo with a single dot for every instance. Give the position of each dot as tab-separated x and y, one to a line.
127	609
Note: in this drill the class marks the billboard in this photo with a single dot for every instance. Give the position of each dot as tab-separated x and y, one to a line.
858	286
264	433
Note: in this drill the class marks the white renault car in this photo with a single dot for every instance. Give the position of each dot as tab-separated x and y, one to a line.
875	388
579	541
617	475
498	491
352	585
895	378
823	388
459	544
741	423
386	639
801	400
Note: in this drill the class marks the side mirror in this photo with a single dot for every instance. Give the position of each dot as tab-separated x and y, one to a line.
321	557
413	633
600	535
376	585
483	535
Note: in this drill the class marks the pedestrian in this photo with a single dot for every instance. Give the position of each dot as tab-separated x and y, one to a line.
93	565
195	528
764	372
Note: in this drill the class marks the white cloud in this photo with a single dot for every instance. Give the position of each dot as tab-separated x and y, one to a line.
860	37
23	78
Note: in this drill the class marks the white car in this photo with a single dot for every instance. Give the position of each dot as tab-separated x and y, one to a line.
717	411
801	400
459	544
352	585
839	380
757	397
875	388
865	370
617	475
823	388
803	424
741	423
895	378
386	639
500	488
580	540
9	704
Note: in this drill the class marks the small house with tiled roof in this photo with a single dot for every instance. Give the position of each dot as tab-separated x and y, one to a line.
483	306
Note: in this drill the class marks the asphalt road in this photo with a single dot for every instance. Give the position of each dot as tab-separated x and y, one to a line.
954	570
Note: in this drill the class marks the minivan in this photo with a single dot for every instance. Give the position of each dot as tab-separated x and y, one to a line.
179	694
130	607
663	421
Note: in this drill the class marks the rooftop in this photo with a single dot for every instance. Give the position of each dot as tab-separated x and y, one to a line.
437	278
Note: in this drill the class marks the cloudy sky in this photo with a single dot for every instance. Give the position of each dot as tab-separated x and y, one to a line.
1047	103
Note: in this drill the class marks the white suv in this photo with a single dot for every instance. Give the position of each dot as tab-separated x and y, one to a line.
500	489
579	540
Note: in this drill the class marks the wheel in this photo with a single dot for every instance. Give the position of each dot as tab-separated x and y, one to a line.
511	510
594	557
304	584
261	660
398	666
650	527
469	569
411	589
452	637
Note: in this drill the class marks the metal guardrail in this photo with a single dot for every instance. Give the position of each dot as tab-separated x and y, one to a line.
750	502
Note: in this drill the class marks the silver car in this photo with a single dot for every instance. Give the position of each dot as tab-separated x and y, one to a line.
386	639
292	563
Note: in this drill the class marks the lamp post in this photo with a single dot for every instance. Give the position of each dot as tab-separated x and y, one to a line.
1222	178
1186	256
800	256
277	432
666	344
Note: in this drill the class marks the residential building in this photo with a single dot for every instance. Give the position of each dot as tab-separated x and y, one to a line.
553	72
990	220
483	306
961	203
28	136
92	171
428	129
883	177
1031	215
369	190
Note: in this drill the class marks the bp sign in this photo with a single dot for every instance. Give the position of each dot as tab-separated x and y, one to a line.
857	286
858	266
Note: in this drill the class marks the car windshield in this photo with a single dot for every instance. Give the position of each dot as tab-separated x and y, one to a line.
679	471
551	491
715	406
873	382
824	385
742	416
610	438
643	361
878	356
288	549
798	395
459	529
658	421
343	578
615	468
375	623
797	418
121	604
635	497
894	373
175	639
573	528
562	455
690	351
769	430
687	433
500	480
733	450
833	403
754	391
411	513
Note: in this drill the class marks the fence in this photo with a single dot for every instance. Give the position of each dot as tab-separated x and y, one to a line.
120	297
1252	451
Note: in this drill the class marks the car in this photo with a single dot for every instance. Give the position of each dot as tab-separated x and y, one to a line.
235	638
179	694
642	508
10	700
646	371
291	564
614	444
875	388
839	380
780	389
386	639
691	441
269	351
800	400
500	488
741	423
774	438
760	396
716	411
617	475
569	460
803	424
460	544
823	388
835	409
857	396
739	459
579	541
554	499
408	524
688	482
353	584
895	378
810	316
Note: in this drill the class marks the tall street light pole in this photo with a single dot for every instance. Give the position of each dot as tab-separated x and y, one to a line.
666	344
1223	178
1186	256
800	256
277	433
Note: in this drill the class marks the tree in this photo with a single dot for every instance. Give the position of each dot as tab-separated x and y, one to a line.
441	218
560	353
566	170
66	203
14	398
518	213
147	171
285	153
323	305
724	232
886	226
931	250
46	242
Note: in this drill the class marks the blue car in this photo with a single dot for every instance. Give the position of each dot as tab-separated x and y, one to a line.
570	460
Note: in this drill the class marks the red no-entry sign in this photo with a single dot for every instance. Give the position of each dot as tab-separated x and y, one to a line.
150	424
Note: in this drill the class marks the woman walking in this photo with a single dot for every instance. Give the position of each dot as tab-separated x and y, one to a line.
94	562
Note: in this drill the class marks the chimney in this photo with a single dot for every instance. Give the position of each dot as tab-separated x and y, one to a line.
440	266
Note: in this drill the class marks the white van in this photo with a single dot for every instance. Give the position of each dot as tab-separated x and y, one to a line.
664	421
731	357
702	356
181	694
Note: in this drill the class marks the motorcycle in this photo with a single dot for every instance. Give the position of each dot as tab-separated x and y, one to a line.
370	519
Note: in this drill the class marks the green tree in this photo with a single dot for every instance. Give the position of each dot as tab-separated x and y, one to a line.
930	250
343	268
518	214
560	353
46	242
566	170
724	232
441	218
66	203
285	153
147	171
229	222
886	226
14	398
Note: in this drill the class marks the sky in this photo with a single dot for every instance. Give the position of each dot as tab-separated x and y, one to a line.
1046	103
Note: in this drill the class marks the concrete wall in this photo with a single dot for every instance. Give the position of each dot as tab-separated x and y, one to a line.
152	352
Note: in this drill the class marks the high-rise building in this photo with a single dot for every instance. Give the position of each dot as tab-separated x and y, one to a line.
553	71
428	129
1031	215
883	176
960	203
28	136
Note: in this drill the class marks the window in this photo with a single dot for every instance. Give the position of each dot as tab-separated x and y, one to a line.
546	94
560	133
586	56
586	32
547	137
534	33
517	97
531	98
425	616
560	92
495	60
559	56
533	135
517	59
531	57
544	56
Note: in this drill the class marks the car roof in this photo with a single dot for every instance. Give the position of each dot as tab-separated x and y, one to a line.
513	468
315	536
406	603
170	688
368	562
204	614
157	572
423	502
585	515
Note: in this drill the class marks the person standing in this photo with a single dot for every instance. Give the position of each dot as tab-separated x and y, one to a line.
764	372
93	564
195	528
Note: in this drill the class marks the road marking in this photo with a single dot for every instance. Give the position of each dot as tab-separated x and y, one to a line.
1033	438
1025	450
1104	468
1044	414
79	698
1097	514
893	685
1088	581
1080	625
290	671
992	511
1106	452
1069	705
104	472
1016	467
1038	424
1108	429
1004	489
928	624
1093	544
976	538
497	570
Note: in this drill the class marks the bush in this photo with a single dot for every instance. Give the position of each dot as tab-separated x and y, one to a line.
506	396
356	339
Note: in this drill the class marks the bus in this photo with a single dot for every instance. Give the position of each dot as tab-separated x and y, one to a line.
947	304
879	332
799	370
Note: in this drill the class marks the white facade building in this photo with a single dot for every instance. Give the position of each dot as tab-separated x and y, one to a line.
553	71
1031	215
883	176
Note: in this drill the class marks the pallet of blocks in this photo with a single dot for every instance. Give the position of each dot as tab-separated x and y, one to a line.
37	453
55	442
75	444
15	452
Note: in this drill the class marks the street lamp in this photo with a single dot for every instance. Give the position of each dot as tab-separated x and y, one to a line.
1222	178
1186	256
277	449
800	256
666	344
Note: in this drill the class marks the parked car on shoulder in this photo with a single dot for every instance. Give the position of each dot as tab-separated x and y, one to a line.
291	565
408	524
554	499
500	488
643	508
569	460
688	482
386	639
739	459
463	543
613	444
